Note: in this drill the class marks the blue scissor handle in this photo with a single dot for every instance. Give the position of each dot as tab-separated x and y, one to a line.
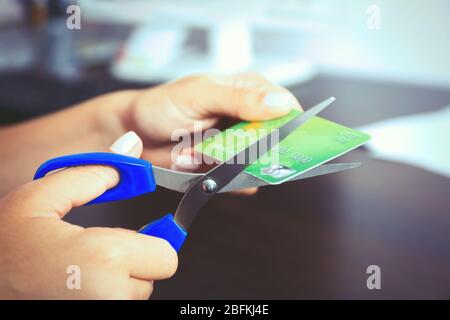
166	228
136	176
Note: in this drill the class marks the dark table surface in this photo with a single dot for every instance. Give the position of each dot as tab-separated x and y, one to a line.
307	239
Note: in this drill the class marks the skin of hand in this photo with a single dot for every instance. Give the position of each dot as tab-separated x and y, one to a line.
37	248
154	114
201	102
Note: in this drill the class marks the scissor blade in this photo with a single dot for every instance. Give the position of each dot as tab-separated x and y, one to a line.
174	180
245	180
182	181
293	124
221	175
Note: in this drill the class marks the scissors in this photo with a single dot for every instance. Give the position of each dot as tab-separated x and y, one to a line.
138	176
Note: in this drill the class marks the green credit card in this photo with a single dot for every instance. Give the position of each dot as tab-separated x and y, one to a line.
310	145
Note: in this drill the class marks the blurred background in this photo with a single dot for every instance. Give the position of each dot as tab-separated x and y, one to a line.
290	41
387	63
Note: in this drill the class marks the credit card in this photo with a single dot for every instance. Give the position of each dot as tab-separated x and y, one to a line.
312	144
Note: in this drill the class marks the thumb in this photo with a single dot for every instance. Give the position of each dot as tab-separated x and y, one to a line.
63	190
247	96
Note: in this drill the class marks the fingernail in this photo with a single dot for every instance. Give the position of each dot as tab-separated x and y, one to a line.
186	162
125	143
280	101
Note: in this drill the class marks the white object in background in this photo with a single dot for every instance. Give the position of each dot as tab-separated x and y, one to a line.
236	40
421	140
232	47
156	54
148	49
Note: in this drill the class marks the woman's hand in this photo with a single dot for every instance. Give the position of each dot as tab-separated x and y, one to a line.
192	103
197	103
200	102
43	257
37	248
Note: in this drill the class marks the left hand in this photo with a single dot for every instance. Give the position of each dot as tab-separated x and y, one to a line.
44	257
195	102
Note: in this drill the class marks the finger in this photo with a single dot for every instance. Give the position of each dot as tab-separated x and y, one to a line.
63	190
129	145
141	289
187	160
149	258
244	96
246	192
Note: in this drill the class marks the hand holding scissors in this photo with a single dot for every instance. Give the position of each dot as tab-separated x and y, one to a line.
138	177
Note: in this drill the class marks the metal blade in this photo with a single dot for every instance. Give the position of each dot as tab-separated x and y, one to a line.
245	180
214	180
182	181
175	180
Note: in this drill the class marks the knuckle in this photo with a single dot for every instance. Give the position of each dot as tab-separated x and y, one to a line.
261	92
103	249
253	96
110	255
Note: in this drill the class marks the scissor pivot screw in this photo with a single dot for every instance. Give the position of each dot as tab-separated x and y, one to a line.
209	186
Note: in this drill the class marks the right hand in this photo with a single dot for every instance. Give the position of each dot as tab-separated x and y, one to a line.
193	103
37	247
